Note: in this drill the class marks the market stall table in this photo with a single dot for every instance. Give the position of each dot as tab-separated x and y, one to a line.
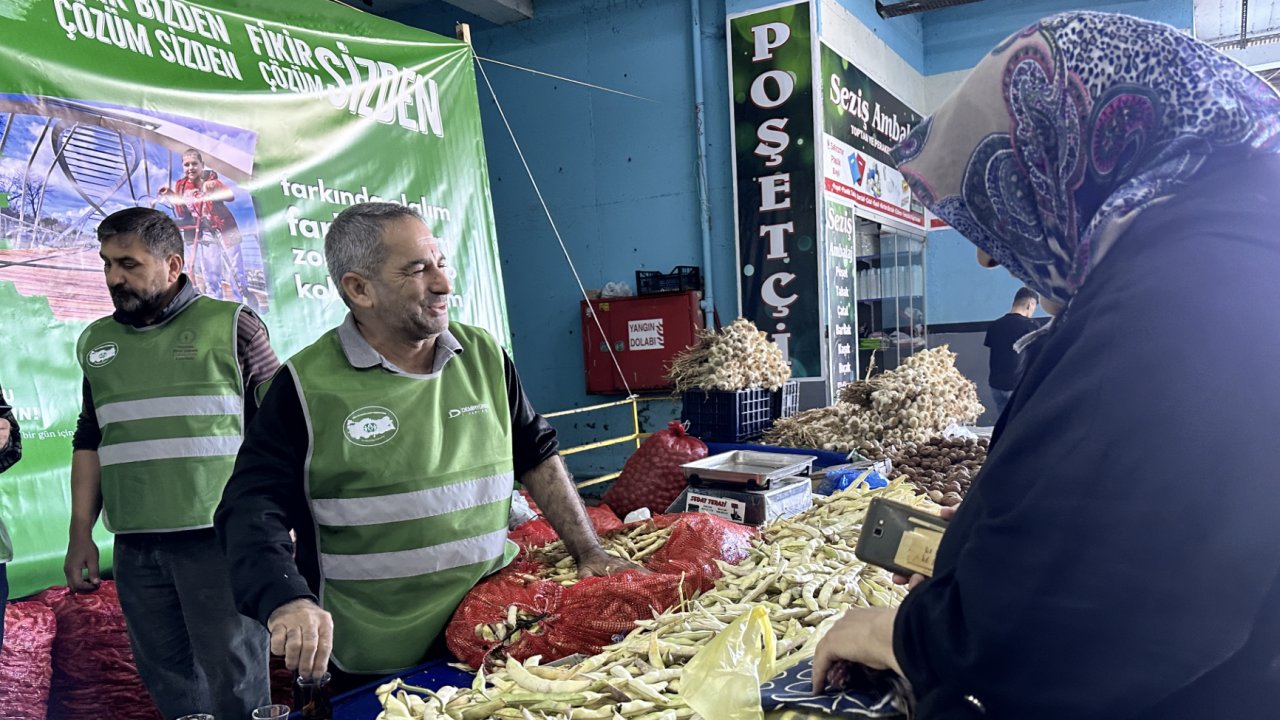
362	703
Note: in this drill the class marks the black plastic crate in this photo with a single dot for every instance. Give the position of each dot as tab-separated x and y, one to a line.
786	399
728	416
680	279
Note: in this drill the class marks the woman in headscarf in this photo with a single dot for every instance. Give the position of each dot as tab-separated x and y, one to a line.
1119	554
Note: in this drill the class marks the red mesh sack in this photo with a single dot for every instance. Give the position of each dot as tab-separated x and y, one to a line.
94	675
538	532
697	541
652	478
603	518
556	621
559	621
533	534
26	663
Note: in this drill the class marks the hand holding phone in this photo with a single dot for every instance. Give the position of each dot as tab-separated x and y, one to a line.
900	538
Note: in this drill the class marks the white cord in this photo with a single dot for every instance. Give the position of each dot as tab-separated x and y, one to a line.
568	80
590	308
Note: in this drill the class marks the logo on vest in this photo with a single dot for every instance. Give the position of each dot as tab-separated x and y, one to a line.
468	410
372	425
102	354
186	347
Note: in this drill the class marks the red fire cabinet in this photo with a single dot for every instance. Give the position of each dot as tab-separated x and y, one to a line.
645	331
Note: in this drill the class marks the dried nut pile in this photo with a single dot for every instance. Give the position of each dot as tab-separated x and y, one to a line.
912	403
802	570
736	358
942	468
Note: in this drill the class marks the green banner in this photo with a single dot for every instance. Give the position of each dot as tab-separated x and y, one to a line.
861	123
295	110
771	82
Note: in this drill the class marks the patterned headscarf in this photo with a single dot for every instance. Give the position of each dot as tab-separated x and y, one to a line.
1071	128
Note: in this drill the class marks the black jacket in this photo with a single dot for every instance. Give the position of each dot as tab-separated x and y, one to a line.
1119	555
10	452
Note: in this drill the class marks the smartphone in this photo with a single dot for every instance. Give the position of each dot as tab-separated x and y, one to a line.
900	538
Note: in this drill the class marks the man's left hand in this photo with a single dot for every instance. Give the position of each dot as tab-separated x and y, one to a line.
602	563
861	635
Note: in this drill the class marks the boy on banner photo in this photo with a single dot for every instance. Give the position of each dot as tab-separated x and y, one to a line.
199	201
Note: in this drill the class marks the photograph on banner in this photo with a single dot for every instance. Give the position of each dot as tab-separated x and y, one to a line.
861	123
65	164
771	87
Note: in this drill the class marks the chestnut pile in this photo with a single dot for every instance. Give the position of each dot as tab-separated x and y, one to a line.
942	468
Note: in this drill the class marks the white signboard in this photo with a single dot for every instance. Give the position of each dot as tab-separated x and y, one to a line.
645	334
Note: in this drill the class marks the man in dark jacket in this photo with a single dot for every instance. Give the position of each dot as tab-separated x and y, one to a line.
1001	335
10	453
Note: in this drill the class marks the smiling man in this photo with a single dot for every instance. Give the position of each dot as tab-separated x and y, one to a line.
390	446
169	384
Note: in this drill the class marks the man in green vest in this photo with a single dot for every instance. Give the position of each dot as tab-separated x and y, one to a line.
169	383
10	453
391	446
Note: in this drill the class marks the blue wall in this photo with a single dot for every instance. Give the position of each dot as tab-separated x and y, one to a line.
957	38
958	289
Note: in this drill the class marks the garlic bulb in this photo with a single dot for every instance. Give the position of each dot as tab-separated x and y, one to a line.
736	358
911	404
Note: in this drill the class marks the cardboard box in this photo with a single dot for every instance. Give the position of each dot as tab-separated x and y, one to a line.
788	496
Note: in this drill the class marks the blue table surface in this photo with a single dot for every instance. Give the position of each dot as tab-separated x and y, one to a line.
362	703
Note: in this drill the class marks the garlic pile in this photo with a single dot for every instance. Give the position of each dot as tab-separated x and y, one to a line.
910	404
736	358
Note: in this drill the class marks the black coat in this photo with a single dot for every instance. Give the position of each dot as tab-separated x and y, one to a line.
1119	554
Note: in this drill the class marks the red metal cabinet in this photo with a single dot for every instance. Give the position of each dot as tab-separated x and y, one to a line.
645	331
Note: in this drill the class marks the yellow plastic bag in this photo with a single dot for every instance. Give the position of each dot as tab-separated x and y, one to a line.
722	682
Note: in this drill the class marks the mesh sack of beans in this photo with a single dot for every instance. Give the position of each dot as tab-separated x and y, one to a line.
26	663
697	541
510	615
652	478
539	532
94	675
531	609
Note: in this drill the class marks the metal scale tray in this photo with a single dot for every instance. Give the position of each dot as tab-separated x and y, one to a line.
752	469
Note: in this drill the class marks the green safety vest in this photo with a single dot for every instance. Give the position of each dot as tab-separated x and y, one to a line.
169	399
409	481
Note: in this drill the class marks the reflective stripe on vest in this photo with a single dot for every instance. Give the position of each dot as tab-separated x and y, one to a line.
144	450
186	405
421	561
413	505
169	401
409	482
